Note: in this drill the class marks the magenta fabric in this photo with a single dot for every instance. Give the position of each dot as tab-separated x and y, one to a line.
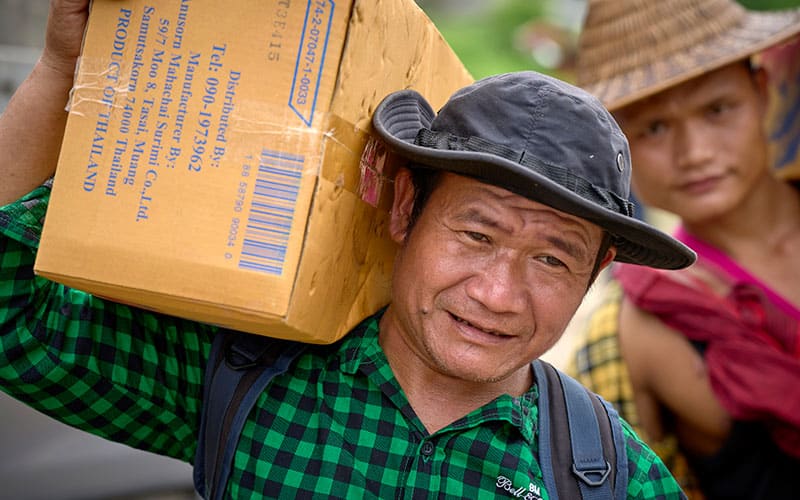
713	256
752	343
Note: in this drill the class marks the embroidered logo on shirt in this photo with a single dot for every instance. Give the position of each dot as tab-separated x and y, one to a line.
533	492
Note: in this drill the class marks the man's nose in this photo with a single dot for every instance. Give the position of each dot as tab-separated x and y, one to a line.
693	144
500	285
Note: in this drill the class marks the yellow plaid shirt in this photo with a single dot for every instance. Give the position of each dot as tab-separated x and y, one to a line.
597	363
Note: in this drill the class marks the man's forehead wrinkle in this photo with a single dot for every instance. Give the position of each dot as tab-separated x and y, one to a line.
563	238
474	214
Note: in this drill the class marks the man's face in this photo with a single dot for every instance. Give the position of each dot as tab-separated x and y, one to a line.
698	149
486	280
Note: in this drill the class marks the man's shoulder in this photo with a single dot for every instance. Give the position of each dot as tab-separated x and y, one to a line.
648	477
22	220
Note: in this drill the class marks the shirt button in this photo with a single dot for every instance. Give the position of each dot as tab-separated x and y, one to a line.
427	448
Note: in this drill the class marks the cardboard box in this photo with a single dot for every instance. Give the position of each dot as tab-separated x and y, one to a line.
212	164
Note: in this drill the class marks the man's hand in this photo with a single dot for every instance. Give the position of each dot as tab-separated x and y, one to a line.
32	126
65	25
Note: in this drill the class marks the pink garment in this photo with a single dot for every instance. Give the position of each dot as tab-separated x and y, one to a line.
752	340
711	255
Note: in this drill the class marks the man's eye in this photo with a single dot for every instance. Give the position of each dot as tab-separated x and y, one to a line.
719	108
654	128
551	261
476	236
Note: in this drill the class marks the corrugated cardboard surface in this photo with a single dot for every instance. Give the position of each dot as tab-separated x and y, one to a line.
211	163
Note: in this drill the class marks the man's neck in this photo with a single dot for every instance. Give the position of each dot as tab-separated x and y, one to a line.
439	399
765	218
763	238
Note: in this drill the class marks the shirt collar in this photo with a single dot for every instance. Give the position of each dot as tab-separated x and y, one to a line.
361	346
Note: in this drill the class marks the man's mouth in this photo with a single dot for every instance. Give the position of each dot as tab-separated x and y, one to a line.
701	185
494	333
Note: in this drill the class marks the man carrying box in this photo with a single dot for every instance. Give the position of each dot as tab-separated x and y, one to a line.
514	199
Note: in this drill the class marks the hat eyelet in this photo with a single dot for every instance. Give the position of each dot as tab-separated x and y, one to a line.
620	162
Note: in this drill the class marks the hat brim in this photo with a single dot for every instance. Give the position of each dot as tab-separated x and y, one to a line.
758	31
401	115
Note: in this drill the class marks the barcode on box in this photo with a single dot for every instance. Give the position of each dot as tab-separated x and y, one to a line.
269	220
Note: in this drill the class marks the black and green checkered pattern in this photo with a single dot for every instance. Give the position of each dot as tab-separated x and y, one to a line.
336	425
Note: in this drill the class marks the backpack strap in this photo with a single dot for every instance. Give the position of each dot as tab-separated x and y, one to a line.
595	464
239	368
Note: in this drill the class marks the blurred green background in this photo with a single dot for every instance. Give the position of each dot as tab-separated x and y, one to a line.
508	35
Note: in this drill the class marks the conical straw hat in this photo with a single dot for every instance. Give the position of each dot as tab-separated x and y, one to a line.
630	49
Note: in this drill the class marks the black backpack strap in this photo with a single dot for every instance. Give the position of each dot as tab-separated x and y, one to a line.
240	366
595	463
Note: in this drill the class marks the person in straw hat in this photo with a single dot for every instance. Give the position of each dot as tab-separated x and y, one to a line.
709	356
515	197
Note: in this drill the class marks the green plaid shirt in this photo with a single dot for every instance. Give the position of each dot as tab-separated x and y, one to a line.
337	425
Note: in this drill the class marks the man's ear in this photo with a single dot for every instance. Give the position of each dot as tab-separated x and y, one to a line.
610	254
604	263
402	206
761	81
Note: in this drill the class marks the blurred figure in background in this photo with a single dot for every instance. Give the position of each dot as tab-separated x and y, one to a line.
705	362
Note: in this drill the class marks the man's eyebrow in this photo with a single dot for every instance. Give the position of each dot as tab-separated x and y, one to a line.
479	217
575	251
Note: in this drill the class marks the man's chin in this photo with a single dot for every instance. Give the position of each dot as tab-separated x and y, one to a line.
484	371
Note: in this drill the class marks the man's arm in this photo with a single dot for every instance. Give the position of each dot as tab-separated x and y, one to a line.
668	376
120	372
32	125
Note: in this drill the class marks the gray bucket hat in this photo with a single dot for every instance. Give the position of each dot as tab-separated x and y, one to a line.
538	137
